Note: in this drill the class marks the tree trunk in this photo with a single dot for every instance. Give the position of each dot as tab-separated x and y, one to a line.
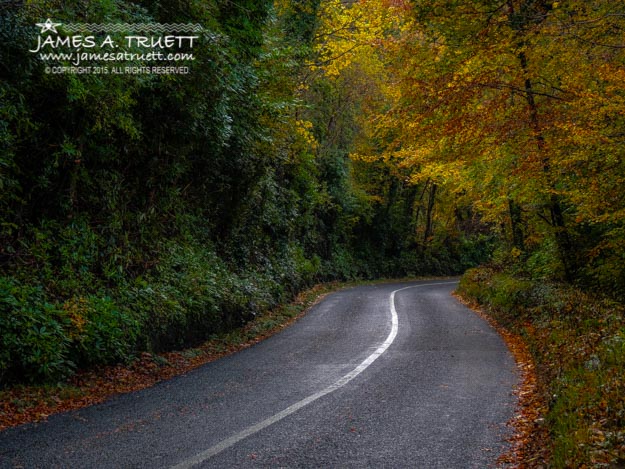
428	215
554	204
516	225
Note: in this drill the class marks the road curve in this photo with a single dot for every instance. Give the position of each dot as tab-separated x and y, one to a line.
388	375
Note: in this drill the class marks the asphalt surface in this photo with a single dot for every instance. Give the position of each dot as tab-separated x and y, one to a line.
347	386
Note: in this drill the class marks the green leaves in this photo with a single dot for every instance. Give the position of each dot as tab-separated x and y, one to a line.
33	344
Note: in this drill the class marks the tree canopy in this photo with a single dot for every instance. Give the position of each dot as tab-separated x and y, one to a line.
311	140
511	108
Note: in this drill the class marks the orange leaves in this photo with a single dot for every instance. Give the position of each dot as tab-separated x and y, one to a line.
577	341
535	95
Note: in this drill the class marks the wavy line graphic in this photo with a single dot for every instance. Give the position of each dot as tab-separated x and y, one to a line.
128	27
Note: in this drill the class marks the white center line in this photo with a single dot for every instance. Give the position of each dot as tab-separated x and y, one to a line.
234	439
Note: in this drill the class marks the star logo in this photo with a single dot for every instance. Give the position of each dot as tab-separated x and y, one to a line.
48	26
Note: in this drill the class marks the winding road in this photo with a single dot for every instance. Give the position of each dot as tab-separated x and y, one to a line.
383	376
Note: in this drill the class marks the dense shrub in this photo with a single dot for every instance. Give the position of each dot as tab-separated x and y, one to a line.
44	340
99	330
33	338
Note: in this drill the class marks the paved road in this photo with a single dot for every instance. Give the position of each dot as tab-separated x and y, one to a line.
391	375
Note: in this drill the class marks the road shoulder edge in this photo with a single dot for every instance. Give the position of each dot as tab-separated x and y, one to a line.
529	413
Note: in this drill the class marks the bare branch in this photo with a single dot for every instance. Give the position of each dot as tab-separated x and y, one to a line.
501	86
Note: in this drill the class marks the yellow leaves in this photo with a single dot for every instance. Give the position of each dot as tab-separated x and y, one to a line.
411	156
304	130
489	109
281	6
425	164
366	158
77	311
516	253
334	40
443	173
354	30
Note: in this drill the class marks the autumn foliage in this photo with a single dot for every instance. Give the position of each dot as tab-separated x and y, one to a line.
575	345
317	140
514	109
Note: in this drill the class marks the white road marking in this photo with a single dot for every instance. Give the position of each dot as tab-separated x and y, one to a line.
234	439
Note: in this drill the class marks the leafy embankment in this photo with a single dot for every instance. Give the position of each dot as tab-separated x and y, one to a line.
577	341
32	403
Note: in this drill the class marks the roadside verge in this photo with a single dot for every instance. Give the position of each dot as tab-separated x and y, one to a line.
23	404
576	340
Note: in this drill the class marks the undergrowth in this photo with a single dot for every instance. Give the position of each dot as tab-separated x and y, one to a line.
188	296
24	403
